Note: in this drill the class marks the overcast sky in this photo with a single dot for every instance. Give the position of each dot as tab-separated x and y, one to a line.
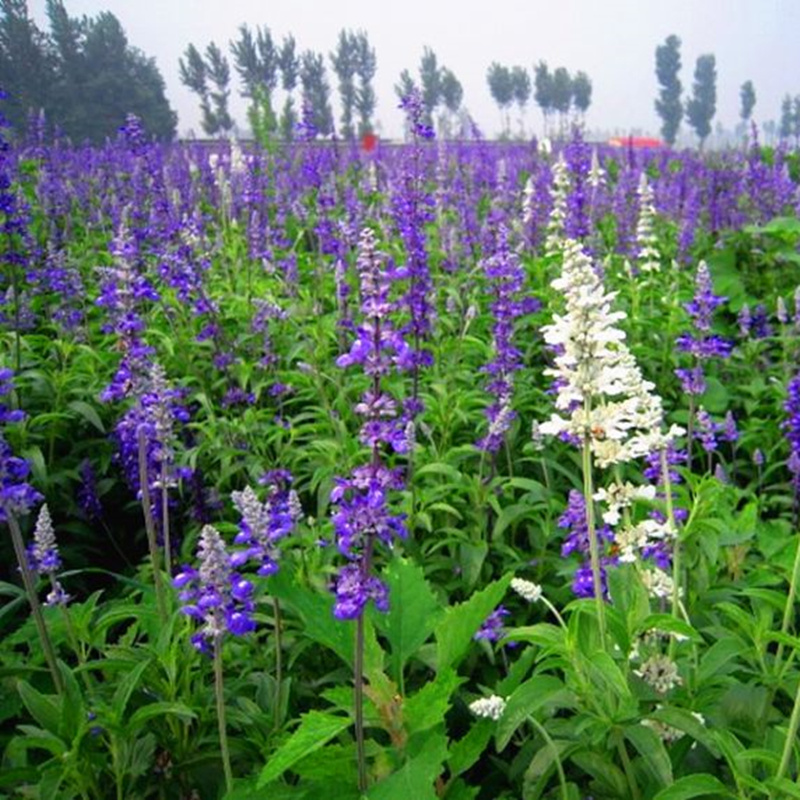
613	41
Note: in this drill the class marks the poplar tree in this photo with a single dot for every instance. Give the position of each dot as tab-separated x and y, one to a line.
702	106
668	104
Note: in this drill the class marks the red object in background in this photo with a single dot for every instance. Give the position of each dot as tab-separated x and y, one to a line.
636	141
369	141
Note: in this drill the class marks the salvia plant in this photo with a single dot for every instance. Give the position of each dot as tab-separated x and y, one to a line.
450	470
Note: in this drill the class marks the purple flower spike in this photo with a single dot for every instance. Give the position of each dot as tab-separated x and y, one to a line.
362	514
214	594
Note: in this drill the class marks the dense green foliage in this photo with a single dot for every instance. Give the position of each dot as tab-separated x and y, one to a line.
255	264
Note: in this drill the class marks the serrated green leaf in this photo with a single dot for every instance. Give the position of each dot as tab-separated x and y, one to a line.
460	623
316	729
316	612
428	706
468	749
413	612
415	779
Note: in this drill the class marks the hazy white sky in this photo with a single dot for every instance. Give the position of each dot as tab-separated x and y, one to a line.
613	41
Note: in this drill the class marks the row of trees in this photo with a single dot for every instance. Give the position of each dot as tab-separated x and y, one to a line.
700	108
82	74
263	65
554	92
439	88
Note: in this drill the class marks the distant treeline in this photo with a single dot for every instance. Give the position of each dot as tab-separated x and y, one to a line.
82	74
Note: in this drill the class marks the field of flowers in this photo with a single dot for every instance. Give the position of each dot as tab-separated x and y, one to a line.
446	470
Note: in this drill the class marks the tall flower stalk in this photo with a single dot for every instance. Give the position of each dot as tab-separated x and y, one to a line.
506	278
17	498
413	210
363	516
603	404
262	526
220	599
700	343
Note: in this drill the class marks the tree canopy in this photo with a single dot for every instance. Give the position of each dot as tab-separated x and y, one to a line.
83	74
702	106
668	103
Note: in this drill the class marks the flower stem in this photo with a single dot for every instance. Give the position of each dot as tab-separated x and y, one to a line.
278	661
219	691
358	669
150	527
36	608
676	547
788	611
791	736
562	778
165	520
594	546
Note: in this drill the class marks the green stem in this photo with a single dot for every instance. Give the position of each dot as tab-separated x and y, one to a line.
278	662
36	608
165	520
150	526
594	546
562	778
219	691
788	611
791	736
358	669
627	767
676	547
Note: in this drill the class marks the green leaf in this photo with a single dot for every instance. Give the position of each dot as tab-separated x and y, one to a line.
669	624
38	738
782	787
332	763
717	657
83	408
530	697
543	764
693	786
468	749
472	556
650	747
316	611
687	723
460	623
45	709
415	779
458	790
125	688
153	710
73	711
316	729
610	777
716	398
509	515
413	612
429	705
